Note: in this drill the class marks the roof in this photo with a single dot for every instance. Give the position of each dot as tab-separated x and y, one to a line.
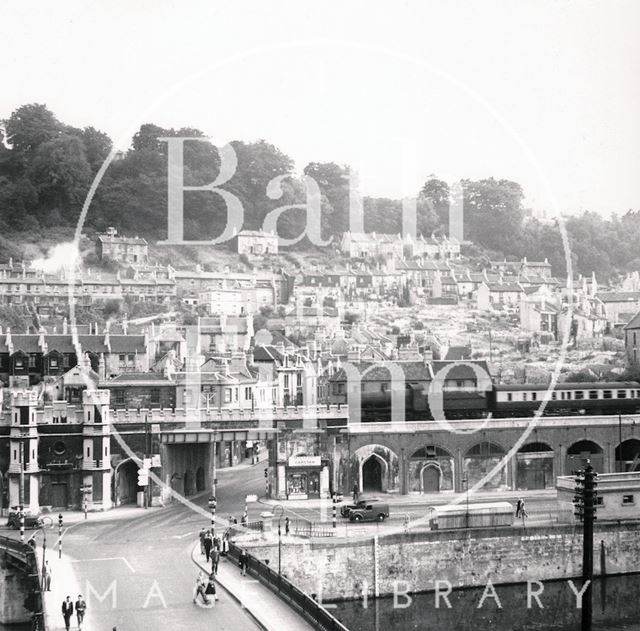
64	343
634	323
106	238
154	379
378	371
256	233
460	369
619	296
504	287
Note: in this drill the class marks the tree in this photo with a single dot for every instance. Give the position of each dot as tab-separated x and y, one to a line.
30	126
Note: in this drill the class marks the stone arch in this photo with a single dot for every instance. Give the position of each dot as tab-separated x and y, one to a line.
534	466
436	457
381	461
480	459
582	450
430	477
628	455
125	482
373	474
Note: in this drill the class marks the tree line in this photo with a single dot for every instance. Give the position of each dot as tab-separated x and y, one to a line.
46	169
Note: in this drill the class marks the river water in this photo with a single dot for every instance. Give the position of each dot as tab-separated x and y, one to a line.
616	607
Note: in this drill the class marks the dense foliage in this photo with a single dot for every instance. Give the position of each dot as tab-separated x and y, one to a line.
47	167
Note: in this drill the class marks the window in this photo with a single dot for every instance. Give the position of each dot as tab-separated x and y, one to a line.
286	381
579	394
227	395
384	387
155	395
627	500
599	500
235	394
622	394
607	394
554	395
509	396
53	362
32	361
247	394
299	379
119	396
534	396
65	361
524	396
593	394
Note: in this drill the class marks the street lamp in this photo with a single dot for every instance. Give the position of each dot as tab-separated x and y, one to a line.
47	522
465	481
275	508
212	506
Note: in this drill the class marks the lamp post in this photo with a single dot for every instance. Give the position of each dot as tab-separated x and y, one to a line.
465	480
281	508
214	482
47	522
21	489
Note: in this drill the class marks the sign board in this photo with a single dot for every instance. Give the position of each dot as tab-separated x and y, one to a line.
146	463
304	461
252	498
155	428
155	461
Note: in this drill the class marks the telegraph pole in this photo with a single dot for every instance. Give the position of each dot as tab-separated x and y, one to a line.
585	500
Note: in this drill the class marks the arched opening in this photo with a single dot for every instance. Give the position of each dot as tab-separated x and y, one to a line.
580	452
628	455
439	475
431	475
534	467
126	482
372	470
199	479
479	461
187	479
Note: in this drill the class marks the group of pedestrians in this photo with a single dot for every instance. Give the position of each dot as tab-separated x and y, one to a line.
205	589
213	547
68	608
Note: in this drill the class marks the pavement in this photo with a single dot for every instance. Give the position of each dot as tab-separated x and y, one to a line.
269	611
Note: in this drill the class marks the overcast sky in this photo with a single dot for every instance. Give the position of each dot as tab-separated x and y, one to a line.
543	92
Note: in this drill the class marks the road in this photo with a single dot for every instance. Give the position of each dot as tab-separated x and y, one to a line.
138	574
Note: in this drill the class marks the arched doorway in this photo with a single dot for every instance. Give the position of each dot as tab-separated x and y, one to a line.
126	482
628	455
580	452
199	479
188	483
431	475
534	467
422	480
372	470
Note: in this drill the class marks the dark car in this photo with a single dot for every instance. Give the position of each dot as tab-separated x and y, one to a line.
346	509
31	520
370	511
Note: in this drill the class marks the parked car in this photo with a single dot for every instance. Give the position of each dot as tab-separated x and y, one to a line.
370	511
31	520
345	509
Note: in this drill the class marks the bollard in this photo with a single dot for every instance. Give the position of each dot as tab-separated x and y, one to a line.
335	525
21	524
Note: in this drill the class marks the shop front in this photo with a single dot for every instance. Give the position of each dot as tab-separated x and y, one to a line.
305	477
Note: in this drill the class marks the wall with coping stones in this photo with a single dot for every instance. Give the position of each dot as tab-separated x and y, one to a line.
339	569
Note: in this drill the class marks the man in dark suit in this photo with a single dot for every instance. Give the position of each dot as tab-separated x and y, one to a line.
67	612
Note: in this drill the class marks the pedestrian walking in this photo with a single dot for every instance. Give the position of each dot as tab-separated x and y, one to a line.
519	507
286	525
208	544
215	559
32	541
199	588
355	492
203	532
225	544
81	608
210	590
67	612
242	560
47	576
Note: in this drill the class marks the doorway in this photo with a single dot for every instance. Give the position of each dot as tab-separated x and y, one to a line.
431	479
372	475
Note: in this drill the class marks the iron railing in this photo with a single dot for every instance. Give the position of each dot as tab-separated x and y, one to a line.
303	603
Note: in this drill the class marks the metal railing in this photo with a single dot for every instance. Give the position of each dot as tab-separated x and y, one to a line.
28	563
306	528
305	605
